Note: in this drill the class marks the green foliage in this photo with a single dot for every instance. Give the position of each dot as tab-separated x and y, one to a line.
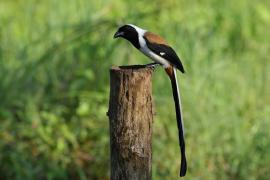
54	86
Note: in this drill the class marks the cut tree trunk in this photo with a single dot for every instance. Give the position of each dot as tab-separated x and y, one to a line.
131	116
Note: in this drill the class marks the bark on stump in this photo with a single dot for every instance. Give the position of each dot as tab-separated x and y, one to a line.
131	116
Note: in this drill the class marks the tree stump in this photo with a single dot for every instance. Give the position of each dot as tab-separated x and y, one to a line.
131	116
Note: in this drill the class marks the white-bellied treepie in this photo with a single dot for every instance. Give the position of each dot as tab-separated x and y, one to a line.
161	53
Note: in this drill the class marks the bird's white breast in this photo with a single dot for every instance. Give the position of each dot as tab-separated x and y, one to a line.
145	50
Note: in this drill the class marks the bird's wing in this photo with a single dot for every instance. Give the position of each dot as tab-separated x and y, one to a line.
153	38
160	47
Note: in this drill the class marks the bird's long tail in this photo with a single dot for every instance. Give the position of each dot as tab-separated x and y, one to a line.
177	101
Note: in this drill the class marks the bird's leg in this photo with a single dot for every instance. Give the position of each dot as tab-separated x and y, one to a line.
152	65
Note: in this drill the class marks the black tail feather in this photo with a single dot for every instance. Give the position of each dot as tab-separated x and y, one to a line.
176	97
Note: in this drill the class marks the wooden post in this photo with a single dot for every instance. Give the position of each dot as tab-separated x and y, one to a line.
131	116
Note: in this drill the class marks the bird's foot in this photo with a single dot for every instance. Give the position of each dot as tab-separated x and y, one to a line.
152	65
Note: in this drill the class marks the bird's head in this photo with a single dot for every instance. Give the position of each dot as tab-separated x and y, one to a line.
127	31
131	33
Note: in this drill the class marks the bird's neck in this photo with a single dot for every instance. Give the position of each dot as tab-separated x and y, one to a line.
135	42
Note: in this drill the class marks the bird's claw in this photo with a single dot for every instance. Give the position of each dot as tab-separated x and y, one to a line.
152	65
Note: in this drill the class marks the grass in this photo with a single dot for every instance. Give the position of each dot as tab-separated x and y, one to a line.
54	84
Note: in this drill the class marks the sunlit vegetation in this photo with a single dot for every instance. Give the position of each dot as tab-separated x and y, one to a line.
54	86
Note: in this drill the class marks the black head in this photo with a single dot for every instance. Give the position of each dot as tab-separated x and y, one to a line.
129	33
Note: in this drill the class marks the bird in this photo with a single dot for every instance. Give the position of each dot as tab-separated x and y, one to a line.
157	49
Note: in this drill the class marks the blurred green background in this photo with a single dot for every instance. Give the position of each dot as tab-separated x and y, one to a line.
54	86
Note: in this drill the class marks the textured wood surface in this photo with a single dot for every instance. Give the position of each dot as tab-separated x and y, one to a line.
131	116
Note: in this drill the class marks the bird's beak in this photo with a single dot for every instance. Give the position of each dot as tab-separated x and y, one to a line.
118	34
